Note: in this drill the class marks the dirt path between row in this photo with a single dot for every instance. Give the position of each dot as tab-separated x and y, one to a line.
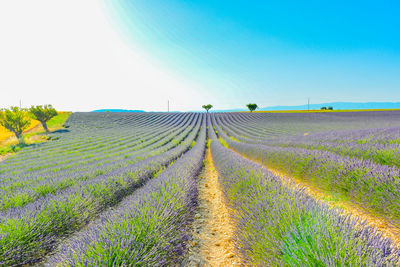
383	226
212	243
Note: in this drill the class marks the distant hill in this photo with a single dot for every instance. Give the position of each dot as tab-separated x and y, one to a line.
117	110
335	105
340	105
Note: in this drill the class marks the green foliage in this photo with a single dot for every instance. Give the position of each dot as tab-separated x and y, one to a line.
223	142
208	143
323	108
193	143
207	107
330	108
11	148
55	122
252	107
234	139
43	114
15	120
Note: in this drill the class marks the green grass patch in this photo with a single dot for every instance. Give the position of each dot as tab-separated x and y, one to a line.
11	149
234	139
193	143
223	142
59	120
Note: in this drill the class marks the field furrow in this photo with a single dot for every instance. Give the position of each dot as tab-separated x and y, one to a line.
56	216
144	189
281	225
151	227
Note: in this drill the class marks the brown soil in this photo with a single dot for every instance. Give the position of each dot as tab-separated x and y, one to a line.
347	208
212	243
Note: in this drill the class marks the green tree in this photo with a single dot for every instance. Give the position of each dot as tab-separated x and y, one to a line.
330	108
15	120
323	108
207	107
43	114
252	107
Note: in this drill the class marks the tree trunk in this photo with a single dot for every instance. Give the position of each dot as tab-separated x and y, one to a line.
44	124
20	139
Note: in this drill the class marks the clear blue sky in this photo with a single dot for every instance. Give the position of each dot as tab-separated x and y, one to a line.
271	52
137	54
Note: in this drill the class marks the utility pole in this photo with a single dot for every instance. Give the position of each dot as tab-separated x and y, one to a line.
168	105
20	103
308	104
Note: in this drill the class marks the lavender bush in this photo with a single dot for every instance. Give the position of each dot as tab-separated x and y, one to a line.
372	186
149	228
279	225
28	232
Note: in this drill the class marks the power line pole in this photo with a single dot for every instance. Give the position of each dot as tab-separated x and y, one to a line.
20	103
168	105
308	104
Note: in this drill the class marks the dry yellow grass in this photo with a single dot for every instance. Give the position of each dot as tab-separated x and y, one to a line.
5	134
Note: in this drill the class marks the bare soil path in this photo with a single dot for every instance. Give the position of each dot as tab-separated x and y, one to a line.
347	208
212	243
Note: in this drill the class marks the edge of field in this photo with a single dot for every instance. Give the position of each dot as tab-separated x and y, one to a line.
317	111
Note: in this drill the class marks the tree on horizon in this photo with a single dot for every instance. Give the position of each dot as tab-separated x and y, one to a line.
252	107
207	107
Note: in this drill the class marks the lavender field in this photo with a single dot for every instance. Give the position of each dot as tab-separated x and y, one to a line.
122	189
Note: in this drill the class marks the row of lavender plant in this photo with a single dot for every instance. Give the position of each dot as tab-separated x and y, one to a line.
378	144
371	130
97	153
28	233
277	125
69	140
61	182
30	174
33	186
102	193
149	228
76	142
371	186
379	151
279	225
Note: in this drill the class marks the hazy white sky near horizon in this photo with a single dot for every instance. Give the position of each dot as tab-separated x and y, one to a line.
67	53
82	55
